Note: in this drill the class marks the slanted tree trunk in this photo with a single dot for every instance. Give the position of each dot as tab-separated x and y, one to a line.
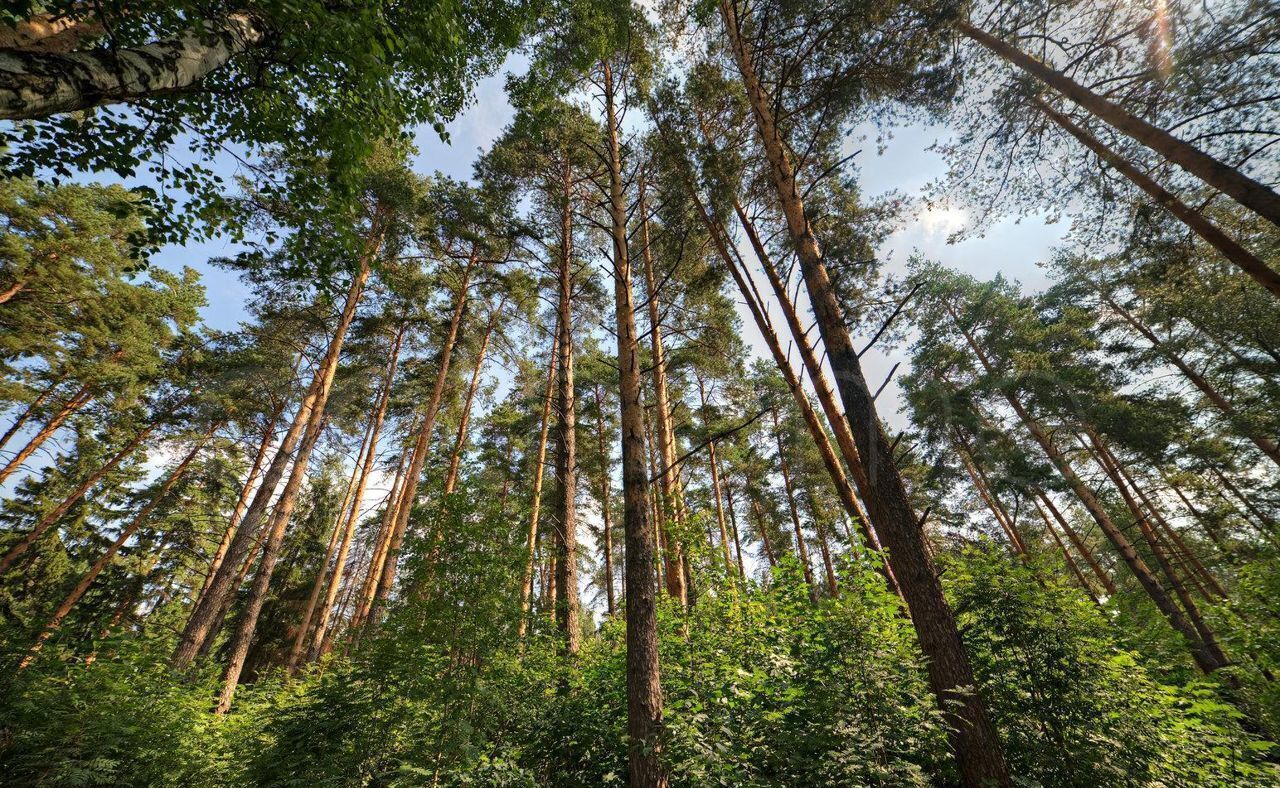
27	413
1265	445
460	441
733	524
824	545
420	449
988	497
268	433
77	401
382	539
539	466
645	768
242	637
1066	555
205	614
1103	577
974	738
335	536
1226	179
39	84
1195	221
73	598
321	638
49	520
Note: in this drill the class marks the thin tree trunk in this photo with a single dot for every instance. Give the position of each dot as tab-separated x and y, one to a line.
733	524
382	539
1066	554
77	593
268	432
997	509
762	528
50	519
531	543
27	413
318	585
460	442
566	532
669	486
74	404
321	637
39	84
1264	444
1242	258
817	376
802	549
1226	179
420	450
645	768
974	737
605	504
242	637
1105	579
1204	656
828	567
204	615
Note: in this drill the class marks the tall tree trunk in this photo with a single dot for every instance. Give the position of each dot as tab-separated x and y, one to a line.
1195	221
737	537
420	449
204	615
335	536
49	520
802	549
77	401
1208	639
566	533
716	492
539	466
77	593
988	497
1266	445
755	304
824	545
672	511
242	637
27	413
1203	655
817	376
39	84
382	540
321	638
645	768
974	738
762	528
268	433
605	504
1226	179
1066	555
1105	579
460	441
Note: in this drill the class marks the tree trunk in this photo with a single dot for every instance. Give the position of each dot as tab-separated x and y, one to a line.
672	511
420	449
1226	179
1195	221
605	505
1066	555
828	567
645	768
531	544
77	593
973	735
49	520
77	401
321	638
460	442
204	615
382	539
27	413
817	376
737	537
39	84
335	536
984	491
268	432
566	533
1264	444
1203	655
242	638
802	549
1105	579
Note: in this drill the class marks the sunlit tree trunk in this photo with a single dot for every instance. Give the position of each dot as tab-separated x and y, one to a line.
77	401
566	532
539	466
1230	181
645	767
1078	542
460	441
802	548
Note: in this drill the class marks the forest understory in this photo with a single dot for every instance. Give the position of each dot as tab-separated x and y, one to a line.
654	450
